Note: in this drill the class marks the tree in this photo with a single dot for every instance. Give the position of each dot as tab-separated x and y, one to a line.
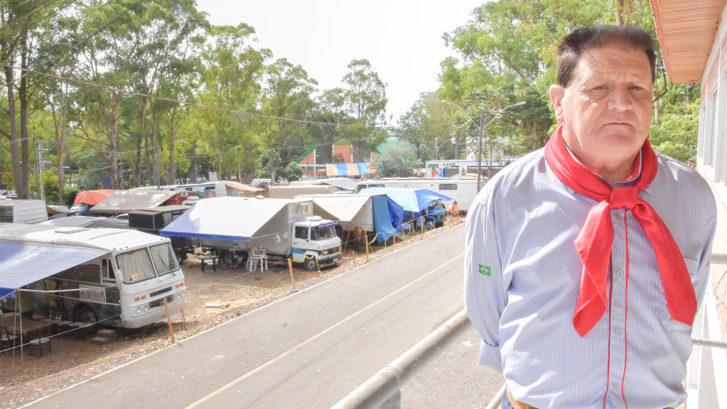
287	95
365	101
425	127
398	160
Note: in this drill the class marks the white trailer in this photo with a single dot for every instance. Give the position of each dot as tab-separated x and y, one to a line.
234	226
462	190
23	211
119	277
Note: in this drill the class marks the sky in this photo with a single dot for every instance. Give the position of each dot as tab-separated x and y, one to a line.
401	38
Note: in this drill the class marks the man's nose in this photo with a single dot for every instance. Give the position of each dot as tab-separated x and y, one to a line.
620	99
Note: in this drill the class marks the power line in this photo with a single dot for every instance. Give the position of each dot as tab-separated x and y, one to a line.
12	21
186	103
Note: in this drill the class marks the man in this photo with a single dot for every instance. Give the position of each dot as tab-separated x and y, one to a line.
586	260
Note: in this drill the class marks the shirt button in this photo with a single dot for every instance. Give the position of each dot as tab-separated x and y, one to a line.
618	215
619	274
614	386
618	331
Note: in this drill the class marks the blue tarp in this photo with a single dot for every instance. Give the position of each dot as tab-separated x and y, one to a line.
412	200
386	211
25	263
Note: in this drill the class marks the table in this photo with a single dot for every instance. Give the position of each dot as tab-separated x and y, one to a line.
29	326
204	258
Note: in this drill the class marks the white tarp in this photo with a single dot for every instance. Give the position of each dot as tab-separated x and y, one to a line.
225	218
341	208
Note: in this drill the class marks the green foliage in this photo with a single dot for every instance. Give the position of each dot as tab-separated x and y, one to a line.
397	160
676	134
71	192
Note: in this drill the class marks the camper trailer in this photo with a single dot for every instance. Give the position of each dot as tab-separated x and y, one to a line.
461	190
119	277
154	219
235	226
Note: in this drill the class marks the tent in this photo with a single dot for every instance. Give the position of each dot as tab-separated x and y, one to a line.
225	218
411	200
347	169
124	201
25	263
93	197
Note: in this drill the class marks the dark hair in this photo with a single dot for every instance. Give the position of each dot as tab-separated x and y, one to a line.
573	45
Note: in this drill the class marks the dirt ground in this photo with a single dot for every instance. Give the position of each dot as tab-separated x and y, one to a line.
228	292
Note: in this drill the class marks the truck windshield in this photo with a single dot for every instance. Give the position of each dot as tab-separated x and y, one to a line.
323	232
138	265
135	266
164	258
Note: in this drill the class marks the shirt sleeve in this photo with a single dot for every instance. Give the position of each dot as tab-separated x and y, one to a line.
484	287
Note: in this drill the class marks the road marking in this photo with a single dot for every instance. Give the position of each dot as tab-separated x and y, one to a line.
318	335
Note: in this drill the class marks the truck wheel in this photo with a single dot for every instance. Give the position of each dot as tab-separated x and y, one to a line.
228	259
428	225
311	264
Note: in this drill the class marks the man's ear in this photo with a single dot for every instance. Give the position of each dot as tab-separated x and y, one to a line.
557	92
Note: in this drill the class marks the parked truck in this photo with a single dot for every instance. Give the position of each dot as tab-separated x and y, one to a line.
233	226
118	277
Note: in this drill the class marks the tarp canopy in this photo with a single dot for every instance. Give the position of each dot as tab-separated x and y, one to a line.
93	197
240	187
225	218
341	208
386	211
25	263
411	200
124	201
347	169
88	221
341	183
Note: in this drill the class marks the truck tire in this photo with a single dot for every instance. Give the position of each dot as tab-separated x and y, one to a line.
230	259
428	225
311	264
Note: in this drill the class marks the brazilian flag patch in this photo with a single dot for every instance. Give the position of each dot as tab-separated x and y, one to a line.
485	270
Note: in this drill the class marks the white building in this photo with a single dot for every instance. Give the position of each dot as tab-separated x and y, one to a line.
693	38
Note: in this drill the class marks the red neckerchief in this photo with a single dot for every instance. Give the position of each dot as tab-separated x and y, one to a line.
595	239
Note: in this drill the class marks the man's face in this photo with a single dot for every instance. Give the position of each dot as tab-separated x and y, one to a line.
606	108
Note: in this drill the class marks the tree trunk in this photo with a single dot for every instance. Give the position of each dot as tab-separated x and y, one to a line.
18	162
139	144
23	97
619	12
113	141
172	140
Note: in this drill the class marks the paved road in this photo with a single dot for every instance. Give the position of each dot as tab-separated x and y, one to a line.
305	351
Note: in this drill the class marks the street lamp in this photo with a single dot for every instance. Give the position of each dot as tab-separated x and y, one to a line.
480	130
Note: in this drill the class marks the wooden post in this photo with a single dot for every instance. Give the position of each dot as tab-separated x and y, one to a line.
290	269
184	320
366	238
169	319
421	224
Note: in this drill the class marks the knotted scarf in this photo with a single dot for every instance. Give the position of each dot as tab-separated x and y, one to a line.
595	240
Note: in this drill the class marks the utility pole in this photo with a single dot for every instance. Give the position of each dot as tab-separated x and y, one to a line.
38	166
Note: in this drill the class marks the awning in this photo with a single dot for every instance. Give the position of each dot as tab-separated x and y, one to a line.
92	197
24	263
412	200
225	218
341	208
240	187
347	169
125	201
341	183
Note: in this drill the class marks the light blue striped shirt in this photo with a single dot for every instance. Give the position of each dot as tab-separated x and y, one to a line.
522	276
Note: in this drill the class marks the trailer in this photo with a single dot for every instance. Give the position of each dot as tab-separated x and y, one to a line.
153	220
234	227
23	211
117	277
461	190
375	214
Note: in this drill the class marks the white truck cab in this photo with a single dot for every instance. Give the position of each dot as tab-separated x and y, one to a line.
315	243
